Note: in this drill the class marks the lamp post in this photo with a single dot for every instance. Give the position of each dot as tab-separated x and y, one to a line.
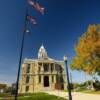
68	82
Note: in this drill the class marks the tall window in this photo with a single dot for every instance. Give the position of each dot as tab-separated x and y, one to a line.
40	64
28	68
39	79
52	78
52	67
46	67
39	69
27	79
27	88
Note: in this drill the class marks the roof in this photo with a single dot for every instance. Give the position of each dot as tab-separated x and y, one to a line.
42	56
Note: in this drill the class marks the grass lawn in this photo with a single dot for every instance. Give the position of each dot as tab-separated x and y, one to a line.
3	94
38	96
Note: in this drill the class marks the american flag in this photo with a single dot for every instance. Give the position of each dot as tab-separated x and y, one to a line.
37	6
31	3
31	19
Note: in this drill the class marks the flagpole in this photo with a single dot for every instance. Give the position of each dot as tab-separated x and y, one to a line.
20	59
38	7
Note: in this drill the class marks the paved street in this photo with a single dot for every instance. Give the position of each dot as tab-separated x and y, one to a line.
76	95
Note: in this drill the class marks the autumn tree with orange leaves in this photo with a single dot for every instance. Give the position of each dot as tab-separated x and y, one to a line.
87	50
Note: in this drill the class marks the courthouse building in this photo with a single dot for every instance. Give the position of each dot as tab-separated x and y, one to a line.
42	74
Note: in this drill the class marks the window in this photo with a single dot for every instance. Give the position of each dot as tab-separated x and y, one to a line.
27	79
46	67
52	67
28	68
39	69
58	68
61	79
39	79
40	64
52	78
27	88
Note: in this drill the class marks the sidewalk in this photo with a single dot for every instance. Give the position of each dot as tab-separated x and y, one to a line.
75	95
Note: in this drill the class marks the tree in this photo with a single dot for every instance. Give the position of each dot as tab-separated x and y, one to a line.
87	50
96	85
3	86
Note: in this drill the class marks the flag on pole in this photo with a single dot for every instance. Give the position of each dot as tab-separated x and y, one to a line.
31	19
31	3
37	6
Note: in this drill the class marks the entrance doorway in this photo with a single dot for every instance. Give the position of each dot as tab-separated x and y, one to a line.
46	81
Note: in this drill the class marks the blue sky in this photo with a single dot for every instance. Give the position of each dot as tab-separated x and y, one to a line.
58	30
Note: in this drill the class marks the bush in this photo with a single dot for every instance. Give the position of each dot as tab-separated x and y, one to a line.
96	85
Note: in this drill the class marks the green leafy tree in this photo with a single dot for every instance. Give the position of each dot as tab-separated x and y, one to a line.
3	86
87	50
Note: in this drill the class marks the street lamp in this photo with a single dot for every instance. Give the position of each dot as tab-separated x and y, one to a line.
68	82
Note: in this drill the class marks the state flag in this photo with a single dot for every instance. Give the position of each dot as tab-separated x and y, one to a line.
31	19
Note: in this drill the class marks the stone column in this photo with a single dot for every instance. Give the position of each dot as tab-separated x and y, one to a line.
50	83
65	82
54	78
55	68
23	79
41	79
49	68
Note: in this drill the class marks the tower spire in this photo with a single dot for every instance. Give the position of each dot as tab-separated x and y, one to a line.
42	53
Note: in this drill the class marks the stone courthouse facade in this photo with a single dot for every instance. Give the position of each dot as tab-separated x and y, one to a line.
42	74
